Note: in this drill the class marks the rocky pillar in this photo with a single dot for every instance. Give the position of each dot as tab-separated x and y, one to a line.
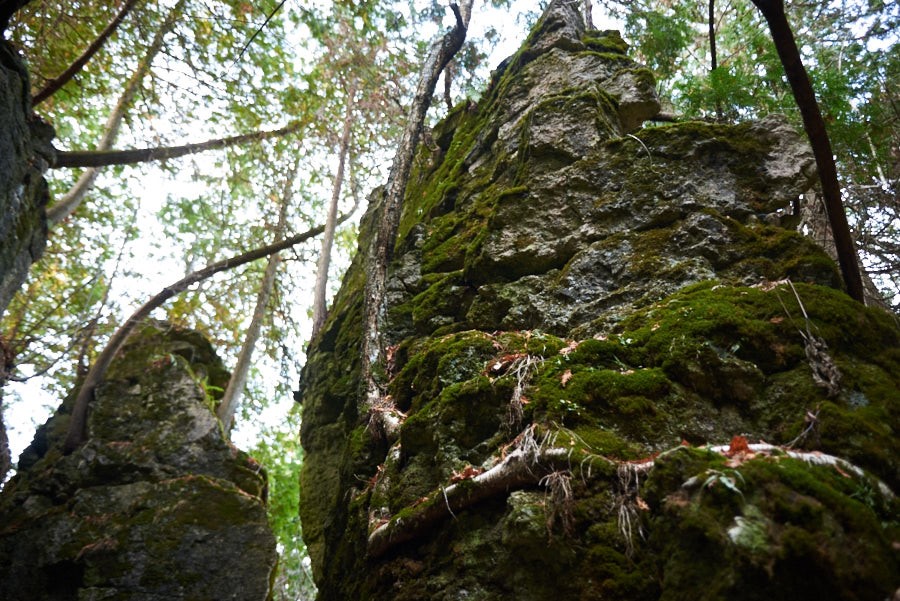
156	505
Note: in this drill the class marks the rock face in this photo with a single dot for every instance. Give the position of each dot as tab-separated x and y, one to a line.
156	505
25	153
577	310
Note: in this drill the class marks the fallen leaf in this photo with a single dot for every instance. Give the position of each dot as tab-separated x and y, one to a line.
738	445
571	346
564	379
465	474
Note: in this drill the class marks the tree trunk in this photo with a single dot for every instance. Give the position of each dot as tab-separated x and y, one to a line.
712	36
105	158
58	82
5	458
773	11
319	306
235	388
442	51
73	198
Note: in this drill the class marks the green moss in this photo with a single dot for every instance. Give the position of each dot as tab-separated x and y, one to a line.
606	41
600	441
439	362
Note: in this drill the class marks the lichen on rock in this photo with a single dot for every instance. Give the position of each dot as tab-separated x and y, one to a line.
578	311
155	505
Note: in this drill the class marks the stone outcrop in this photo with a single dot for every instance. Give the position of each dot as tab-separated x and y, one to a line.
25	154
579	312
156	505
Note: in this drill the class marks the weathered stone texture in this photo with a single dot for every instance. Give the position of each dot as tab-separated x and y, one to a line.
156	505
25	153
584	295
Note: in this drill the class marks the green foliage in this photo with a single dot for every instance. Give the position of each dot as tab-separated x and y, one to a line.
851	52
280	453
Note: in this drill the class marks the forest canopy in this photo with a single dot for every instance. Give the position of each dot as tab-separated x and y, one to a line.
294	104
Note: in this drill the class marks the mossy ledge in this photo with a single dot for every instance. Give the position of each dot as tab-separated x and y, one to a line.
587	301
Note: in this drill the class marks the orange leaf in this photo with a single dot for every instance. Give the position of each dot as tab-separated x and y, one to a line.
840	471
738	445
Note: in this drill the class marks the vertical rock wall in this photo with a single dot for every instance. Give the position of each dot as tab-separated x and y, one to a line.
579	312
156	505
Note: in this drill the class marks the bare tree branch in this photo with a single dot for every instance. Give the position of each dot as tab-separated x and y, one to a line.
104	158
319	308
77	431
72	199
62	79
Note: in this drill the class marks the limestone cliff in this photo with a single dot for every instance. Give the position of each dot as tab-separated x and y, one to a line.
156	505
581	313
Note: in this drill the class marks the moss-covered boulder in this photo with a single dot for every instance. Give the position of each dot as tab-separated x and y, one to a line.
155	505
619	375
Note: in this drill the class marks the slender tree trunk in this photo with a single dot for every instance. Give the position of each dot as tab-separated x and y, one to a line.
104	158
319	306
773	12
58	82
814	223
5	368
77	433
713	58
72	199
232	397
5	456
713	64
587	13
442	52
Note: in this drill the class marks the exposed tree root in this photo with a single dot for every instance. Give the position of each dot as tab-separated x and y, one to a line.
533	462
526	465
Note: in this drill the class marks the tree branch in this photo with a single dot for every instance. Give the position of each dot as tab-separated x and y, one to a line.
104	158
77	432
518	469
58	82
73	198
